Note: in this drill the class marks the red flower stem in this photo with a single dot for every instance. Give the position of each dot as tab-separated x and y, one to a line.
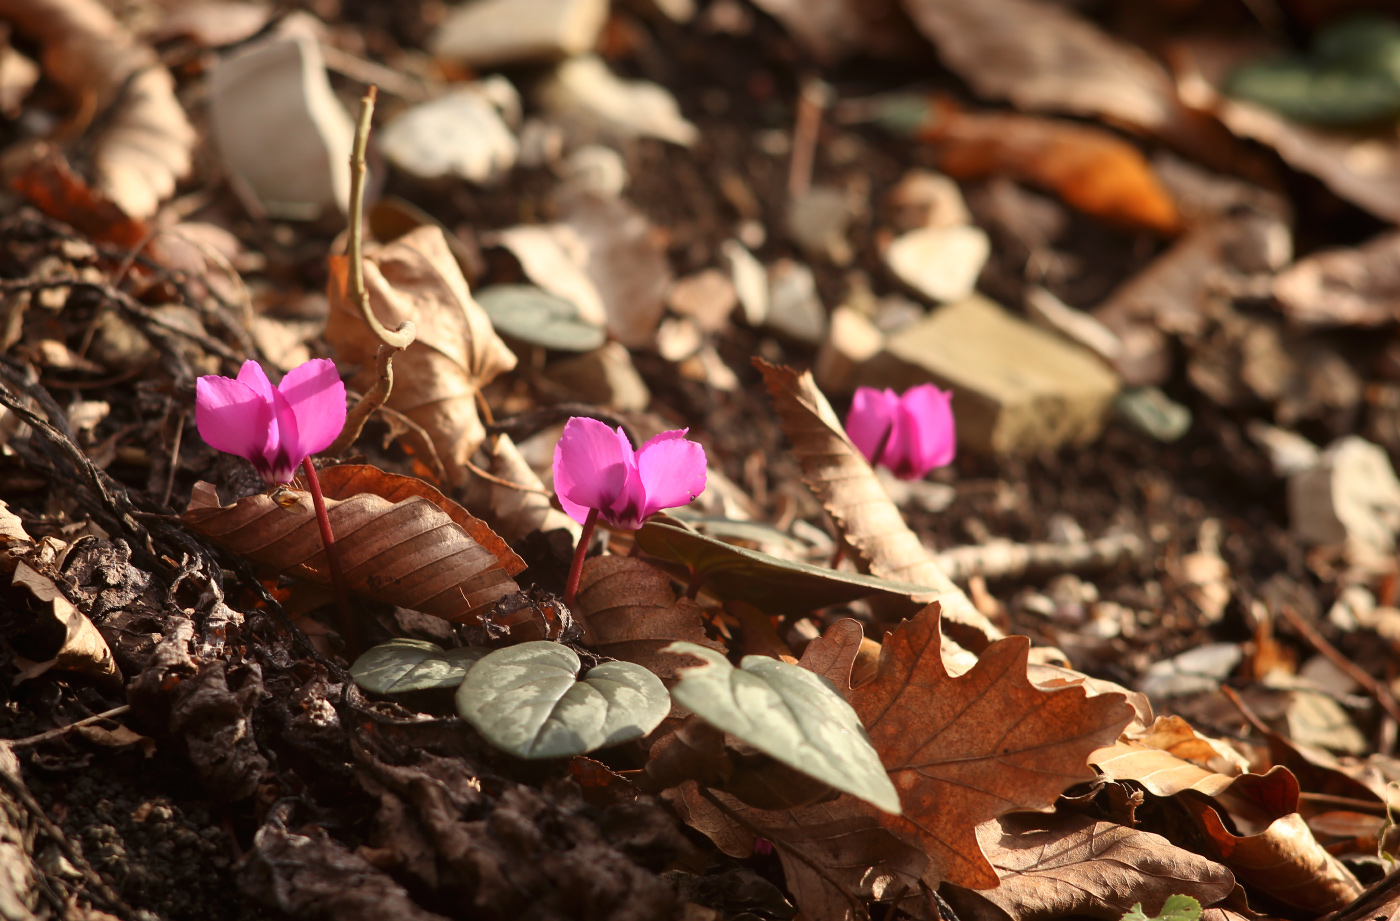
348	629
879	456
576	567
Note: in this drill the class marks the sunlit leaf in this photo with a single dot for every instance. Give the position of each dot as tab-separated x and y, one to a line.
403	665
790	713
538	317
528	700
776	585
1176	908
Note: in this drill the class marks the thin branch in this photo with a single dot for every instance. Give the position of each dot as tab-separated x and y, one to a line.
61	730
1376	689
1000	559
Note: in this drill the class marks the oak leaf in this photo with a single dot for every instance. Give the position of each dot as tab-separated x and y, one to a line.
870	523
145	140
407	552
416	278
965	750
1057	865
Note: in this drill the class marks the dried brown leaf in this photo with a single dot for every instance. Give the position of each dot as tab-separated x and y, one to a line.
11	527
832	654
145	140
632	614
1056	865
1284	860
520	508
83	649
965	750
436	379
1043	57
1092	169
871	525
409	553
1160	772
1344	287
626	261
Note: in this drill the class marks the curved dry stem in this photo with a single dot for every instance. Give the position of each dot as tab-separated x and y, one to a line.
359	413
359	295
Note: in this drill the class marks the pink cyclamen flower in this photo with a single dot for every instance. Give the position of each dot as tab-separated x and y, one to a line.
596	468
275	428
915	430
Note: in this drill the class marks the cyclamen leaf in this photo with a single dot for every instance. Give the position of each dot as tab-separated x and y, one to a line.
403	665
527	700
790	713
1176	908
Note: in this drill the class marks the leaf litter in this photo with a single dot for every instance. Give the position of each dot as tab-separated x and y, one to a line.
172	675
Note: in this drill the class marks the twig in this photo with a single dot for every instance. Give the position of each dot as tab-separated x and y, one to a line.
55	733
1376	689
490	477
811	100
355	247
999	559
174	457
364	407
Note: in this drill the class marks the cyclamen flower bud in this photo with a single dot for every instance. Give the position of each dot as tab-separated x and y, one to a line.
274	428
909	434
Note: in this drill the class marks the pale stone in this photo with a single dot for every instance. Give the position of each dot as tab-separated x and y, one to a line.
488	33
794	307
708	297
941	263
282	133
582	89
927	199
1353	497
818	221
464	133
851	341
604	377
1017	389
750	281
1047	310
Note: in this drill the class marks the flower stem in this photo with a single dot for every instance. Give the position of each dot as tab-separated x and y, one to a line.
348	630
576	568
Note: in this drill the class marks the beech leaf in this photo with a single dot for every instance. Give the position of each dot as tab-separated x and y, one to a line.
963	750
402	665
528	700
632	614
776	585
82	649
787	712
407	552
871	525
416	278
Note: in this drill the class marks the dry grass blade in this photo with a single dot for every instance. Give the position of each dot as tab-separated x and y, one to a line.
416	279
408	553
145	140
870	523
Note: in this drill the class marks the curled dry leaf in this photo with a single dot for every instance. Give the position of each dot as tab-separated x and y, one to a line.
409	553
1344	287
965	750
437	377
1056	865
833	654
83	649
1162	773
1090	168
145	139
518	509
632	614
870	523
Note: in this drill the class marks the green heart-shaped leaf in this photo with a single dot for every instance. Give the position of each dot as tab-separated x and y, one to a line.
794	715
535	316
776	585
527	700
404	665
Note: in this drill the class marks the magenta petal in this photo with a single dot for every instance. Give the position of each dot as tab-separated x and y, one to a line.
871	416
252	374
629	508
232	417
284	458
317	398
924	431
672	471
591	464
